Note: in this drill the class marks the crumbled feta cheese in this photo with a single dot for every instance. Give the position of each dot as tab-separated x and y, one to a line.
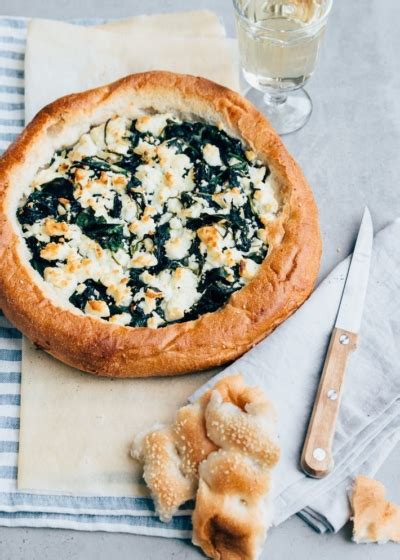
129	210
59	279
97	308
231	197
257	175
55	252
211	155
154	124
175	223
116	137
194	211
148	305
52	227
121	257
97	135
142	227
121	319
146	150
143	260
265	201
85	147
184	295
154	321
174	205
121	293
178	245
248	269
36	230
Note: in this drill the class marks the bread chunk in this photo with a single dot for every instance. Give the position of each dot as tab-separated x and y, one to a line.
375	519
220	450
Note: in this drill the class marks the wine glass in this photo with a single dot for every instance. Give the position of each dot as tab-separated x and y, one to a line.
279	42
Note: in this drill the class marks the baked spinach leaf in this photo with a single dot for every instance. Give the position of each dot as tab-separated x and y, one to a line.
139	317
93	291
43	202
216	291
109	236
115	211
97	165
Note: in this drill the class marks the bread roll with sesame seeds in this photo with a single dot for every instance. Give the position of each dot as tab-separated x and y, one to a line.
222	446
232	512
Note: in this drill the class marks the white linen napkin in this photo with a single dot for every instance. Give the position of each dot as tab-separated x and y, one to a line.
288	364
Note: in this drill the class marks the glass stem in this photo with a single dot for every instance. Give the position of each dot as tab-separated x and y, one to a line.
275	99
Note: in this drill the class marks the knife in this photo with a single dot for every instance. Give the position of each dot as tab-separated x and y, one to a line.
316	459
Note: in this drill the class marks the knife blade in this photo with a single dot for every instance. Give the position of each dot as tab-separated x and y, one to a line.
355	288
316	458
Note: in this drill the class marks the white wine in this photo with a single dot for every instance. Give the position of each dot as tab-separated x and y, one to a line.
279	42
278	50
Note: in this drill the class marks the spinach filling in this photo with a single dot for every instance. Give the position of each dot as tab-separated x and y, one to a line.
108	236
59	200
44	202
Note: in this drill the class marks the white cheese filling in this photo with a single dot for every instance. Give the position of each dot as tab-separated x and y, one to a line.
139	202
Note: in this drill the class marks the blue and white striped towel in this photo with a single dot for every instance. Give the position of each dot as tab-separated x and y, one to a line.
89	513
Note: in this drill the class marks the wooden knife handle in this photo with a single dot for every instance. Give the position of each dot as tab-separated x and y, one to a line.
316	459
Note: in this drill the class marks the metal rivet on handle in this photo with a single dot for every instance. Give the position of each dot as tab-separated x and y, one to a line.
344	339
319	454
332	395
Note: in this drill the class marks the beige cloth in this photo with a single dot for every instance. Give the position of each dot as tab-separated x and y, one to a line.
76	429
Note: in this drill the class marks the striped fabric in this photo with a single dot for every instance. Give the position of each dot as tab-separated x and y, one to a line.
88	513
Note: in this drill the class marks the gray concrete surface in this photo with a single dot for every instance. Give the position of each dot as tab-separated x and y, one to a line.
349	151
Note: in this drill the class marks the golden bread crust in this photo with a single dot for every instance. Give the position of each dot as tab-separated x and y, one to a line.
247	431
287	274
162	472
225	453
229	521
375	519
232	512
171	457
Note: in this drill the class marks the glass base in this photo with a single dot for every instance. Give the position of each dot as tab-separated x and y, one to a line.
287	112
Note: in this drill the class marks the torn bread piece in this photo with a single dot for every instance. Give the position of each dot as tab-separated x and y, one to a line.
232	512
171	455
224	447
162	472
240	418
375	519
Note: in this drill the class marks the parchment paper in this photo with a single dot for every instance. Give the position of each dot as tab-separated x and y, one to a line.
202	23
76	429
64	58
